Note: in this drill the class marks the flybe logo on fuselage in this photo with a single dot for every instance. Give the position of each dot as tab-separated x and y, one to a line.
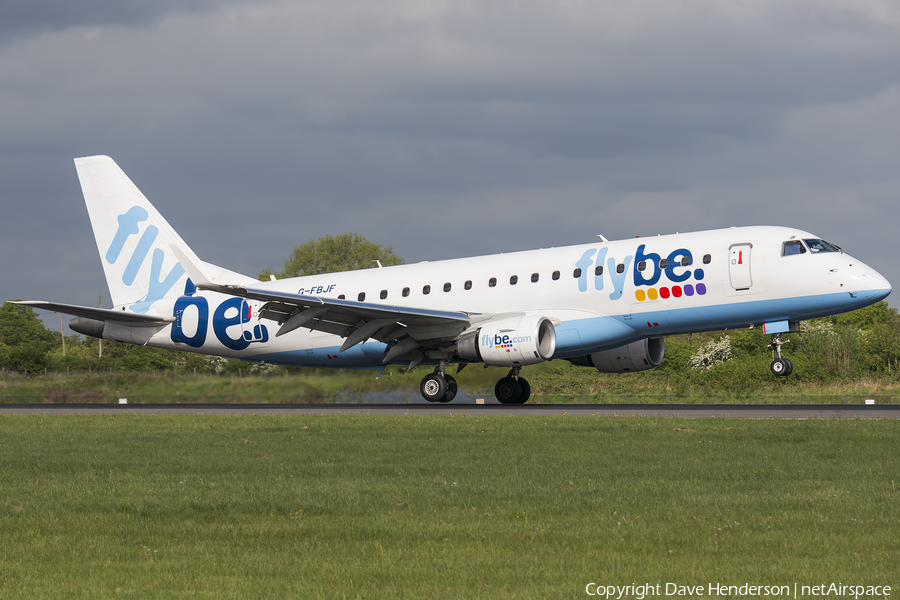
232	321
158	286
646	270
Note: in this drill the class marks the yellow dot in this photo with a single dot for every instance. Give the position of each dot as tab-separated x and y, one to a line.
640	295
652	294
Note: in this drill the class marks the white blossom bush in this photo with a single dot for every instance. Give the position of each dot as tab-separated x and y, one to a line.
216	363
221	365
712	353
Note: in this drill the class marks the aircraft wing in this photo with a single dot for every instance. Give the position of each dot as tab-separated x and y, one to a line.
124	317
354	321
406	330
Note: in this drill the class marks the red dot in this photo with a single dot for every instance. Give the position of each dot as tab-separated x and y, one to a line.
676	291
664	292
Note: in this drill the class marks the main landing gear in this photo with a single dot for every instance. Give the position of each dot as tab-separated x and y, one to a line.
441	387
780	366
438	386
512	389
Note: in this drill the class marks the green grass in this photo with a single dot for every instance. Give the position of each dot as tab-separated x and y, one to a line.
550	382
517	507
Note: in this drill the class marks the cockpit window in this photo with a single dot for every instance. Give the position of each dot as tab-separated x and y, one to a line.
821	246
792	247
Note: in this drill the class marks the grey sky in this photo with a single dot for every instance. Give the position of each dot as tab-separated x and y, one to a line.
445	129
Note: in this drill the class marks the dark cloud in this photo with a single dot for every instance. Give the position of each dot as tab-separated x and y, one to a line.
21	18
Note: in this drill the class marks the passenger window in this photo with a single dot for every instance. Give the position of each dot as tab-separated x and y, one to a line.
405	292
685	261
383	294
468	285
426	290
555	275
642	266
577	273
664	263
792	248
598	271
620	268
361	297
535	277
514	280
341	297
446	287
706	259
492	282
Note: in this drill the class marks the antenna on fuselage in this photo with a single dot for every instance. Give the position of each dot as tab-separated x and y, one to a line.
602	237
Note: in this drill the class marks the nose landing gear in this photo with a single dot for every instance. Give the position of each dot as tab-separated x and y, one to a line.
780	367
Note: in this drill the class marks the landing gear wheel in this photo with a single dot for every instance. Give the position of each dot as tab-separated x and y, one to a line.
434	388
781	367
508	391
451	389
526	391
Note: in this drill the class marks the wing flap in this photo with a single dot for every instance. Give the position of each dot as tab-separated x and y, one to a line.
354	320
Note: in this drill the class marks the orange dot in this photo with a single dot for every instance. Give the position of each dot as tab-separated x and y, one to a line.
640	295
651	293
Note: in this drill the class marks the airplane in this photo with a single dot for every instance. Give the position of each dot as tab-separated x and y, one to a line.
607	304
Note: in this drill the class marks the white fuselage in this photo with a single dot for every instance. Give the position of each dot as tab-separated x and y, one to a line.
647	287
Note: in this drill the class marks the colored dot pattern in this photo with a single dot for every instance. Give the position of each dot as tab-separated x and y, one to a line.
676	291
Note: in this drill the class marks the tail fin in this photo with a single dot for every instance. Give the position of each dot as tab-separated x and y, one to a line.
134	240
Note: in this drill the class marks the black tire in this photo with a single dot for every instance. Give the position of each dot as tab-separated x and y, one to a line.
526	391
779	367
433	387
790	367
508	391
452	388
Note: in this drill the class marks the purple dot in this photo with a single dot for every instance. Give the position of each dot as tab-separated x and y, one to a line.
701	289
688	290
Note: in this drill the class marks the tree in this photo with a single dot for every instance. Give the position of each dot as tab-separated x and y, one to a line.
866	318
20	326
27	339
332	253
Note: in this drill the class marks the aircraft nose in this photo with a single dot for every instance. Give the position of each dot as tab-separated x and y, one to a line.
873	285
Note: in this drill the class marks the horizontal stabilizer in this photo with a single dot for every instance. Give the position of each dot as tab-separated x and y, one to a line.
99	314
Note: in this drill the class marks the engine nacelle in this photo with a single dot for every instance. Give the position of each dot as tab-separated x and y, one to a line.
636	356
87	326
511	342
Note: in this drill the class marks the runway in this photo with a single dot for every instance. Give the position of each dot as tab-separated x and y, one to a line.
696	411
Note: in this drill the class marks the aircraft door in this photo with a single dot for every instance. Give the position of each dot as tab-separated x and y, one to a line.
739	266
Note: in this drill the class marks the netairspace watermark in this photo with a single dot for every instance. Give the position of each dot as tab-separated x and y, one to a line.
640	591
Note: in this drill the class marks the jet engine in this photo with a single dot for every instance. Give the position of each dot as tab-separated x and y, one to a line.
512	342
636	356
